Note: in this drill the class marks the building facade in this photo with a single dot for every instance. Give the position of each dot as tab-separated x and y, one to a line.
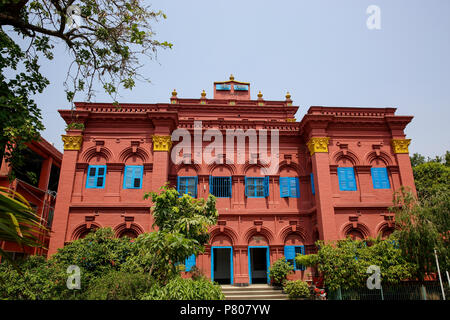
43	162
335	174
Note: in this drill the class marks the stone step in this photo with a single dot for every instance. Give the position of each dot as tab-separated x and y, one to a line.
253	292
258	297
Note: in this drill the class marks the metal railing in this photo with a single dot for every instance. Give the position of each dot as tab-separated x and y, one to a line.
402	291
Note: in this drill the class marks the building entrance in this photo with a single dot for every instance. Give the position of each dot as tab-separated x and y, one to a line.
222	265
258	264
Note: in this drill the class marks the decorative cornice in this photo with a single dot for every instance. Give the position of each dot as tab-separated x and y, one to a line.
161	143
318	144
400	145
72	142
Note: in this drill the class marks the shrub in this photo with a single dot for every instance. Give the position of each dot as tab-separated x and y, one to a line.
279	271
186	289
117	285
297	289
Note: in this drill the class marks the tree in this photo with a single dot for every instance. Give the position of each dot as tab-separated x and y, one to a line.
417	235
108	42
182	224
343	264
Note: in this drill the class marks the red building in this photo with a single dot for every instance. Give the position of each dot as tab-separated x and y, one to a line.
43	161
337	170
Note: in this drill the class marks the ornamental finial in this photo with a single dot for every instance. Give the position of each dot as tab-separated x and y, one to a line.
260	95
174	93
288	96
203	93
231	77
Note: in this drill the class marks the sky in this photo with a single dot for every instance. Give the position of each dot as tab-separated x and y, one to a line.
321	51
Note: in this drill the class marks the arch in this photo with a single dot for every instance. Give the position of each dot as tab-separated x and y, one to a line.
230	167
348	155
122	229
193	166
93	152
262	231
247	166
360	227
230	233
289	230
82	230
383	156
128	152
293	165
385	229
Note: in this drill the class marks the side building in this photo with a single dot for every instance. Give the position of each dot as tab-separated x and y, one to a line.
36	179
335	174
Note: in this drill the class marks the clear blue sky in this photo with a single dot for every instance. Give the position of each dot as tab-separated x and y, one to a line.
319	50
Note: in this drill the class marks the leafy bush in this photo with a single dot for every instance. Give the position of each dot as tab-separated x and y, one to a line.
186	289
279	271
297	289
40	280
117	285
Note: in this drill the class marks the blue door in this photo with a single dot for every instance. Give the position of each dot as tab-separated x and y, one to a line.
258	264
222	265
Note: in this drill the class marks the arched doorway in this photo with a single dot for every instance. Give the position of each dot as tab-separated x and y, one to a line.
222	259
258	259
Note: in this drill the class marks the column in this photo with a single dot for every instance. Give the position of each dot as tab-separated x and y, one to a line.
318	148
44	176
72	145
400	148
161	148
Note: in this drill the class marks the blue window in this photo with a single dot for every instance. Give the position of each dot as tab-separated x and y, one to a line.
240	87
289	187
223	87
257	187
96	177
187	185
347	181
380	178
189	263
132	178
313	189
220	186
290	252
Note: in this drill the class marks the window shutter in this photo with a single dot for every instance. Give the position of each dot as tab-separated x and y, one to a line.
230	186
246	187
189	263
284	187
92	177
128	177
312	184
178	185
266	186
195	186
137	177
380	178
210	184
289	254
294	191
347	181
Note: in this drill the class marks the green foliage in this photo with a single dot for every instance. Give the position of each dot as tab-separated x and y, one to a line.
307	260
96	254
431	178
344	263
279	271
18	222
37	279
182	224
417	235
186	289
117	285
297	289
75	125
